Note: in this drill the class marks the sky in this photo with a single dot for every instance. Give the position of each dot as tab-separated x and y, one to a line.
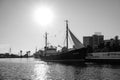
19	31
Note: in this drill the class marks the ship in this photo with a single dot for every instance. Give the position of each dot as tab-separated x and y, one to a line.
50	53
78	53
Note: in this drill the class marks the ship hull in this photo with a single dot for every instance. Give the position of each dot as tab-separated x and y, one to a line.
74	55
80	55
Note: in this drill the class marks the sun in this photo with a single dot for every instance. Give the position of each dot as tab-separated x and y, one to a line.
43	15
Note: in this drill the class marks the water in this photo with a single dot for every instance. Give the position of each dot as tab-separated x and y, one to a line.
35	69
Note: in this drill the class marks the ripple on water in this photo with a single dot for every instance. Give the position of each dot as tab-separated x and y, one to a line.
33	69
15	71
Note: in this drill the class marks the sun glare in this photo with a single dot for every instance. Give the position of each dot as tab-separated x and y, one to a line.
43	15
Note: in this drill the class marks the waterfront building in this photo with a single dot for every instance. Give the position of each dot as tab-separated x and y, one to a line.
88	41
97	40
93	41
113	42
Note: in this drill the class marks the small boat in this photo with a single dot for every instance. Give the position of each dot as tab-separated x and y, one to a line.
77	53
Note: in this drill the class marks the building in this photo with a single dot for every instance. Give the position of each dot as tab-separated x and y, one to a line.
112	41
88	41
112	44
93	41
97	40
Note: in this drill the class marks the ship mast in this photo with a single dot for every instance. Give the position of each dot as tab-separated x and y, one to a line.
66	34
45	42
46	39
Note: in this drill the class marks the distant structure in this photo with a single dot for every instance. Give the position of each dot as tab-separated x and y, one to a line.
112	41
10	51
96	43
97	40
27	54
94	40
36	50
88	41
21	53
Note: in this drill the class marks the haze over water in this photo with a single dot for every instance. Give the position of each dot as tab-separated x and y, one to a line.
35	69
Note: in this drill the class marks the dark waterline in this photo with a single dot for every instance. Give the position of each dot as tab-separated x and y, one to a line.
35	69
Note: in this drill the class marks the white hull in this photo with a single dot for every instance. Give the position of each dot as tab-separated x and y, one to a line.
104	55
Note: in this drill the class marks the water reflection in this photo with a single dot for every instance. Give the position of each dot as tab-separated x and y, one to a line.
60	72
33	69
40	71
56	71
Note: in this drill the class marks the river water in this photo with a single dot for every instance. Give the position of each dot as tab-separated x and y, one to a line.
35	69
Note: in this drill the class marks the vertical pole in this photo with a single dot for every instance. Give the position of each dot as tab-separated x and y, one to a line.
36	50
45	43
10	51
21	53
46	39
67	34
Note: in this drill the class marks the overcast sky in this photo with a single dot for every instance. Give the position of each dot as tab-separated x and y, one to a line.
19	30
